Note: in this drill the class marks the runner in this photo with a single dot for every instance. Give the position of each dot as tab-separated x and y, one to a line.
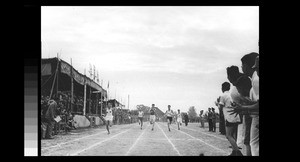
140	116
169	114
152	116
108	117
179	119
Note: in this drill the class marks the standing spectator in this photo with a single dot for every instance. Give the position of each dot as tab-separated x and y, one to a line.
233	74
243	86
209	117
186	119
201	119
221	119
50	115
214	119
250	70
230	120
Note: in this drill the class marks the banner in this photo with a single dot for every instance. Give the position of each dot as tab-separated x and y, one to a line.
65	68
79	79
46	69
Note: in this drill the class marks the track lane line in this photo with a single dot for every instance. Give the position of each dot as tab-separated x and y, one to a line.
202	141
206	133
63	143
136	141
169	140
98	143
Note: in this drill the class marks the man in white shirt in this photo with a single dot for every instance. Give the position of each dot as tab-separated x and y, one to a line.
231	121
233	74
250	70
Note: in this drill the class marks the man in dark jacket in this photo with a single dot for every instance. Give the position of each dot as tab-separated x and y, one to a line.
50	115
209	116
214	119
186	119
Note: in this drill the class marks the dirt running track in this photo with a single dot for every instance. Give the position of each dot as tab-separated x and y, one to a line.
130	140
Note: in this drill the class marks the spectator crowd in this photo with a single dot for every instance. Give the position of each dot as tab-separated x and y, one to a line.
239	107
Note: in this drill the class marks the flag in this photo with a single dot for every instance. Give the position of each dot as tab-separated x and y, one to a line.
108	85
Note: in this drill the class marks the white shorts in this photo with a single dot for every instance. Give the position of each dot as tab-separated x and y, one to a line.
152	118
110	118
179	120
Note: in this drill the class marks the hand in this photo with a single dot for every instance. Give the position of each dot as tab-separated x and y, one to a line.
236	109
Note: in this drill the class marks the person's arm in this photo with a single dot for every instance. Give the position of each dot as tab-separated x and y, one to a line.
242	109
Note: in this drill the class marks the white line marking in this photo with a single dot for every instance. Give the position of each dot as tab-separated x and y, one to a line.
207	134
169	140
59	144
136	141
76	153
202	141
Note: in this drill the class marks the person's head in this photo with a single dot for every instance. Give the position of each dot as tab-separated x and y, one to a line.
178	111
153	105
55	97
209	109
225	86
233	74
109	105
243	85
213	109
247	63
169	107
201	111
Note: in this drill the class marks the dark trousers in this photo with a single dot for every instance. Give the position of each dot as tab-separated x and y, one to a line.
50	125
210	126
222	125
214	125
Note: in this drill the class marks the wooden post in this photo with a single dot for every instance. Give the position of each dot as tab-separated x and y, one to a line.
84	95
72	87
57	74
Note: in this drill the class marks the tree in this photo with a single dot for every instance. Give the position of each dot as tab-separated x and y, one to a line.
192	113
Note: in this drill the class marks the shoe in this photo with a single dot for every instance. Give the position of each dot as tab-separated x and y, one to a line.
232	153
108	132
178	128
152	129
238	153
141	128
169	130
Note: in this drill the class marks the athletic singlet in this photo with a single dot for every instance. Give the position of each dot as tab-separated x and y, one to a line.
108	112
141	113
169	113
178	115
152	112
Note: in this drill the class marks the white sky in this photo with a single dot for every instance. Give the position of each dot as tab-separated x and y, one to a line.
161	55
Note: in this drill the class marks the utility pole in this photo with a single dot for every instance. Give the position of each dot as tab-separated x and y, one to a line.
128	101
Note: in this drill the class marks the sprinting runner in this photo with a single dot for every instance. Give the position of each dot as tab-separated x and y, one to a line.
152	116
140	116
169	114
179	119
108	117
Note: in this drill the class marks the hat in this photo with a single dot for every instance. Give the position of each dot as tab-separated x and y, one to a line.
256	62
